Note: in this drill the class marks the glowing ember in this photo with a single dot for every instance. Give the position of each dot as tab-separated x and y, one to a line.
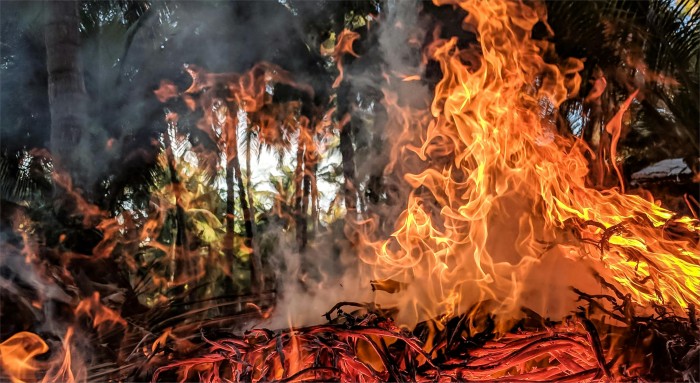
372	349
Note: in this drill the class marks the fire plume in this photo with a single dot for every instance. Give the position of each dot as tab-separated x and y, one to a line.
501	194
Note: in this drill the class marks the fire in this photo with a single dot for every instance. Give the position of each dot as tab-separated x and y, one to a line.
99	313
376	350
501	195
18	354
65	367
21	365
343	46
500	204
500	210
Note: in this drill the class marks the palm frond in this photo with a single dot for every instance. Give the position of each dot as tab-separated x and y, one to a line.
673	35
22	178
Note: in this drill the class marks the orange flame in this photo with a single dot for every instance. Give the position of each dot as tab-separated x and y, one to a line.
18	360
500	196
614	127
166	91
344	45
69	369
93	308
18	354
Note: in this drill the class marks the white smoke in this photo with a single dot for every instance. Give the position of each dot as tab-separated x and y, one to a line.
329	270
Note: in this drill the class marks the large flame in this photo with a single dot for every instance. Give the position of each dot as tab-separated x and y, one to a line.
500	214
502	196
18	356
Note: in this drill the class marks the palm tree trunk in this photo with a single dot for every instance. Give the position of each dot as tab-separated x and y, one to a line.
375	185
233	163
305	206
347	149
67	95
314	198
229	236
248	177
299	219
181	243
310	191
230	213
256	274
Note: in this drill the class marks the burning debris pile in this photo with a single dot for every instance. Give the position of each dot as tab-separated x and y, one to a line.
371	348
505	253
365	344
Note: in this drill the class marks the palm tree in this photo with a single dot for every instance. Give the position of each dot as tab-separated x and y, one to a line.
651	46
66	86
233	169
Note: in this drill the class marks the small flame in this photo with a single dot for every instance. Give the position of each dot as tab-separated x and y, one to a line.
93	308
166	91
614	127
65	367
343	46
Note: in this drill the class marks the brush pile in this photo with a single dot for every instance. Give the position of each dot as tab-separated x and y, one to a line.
366	345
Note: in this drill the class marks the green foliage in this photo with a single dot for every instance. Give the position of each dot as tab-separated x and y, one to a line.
652	45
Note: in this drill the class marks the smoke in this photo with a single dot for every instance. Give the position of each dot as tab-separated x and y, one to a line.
401	38
24	115
123	62
331	271
231	37
310	282
20	280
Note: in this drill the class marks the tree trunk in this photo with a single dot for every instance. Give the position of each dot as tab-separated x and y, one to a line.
229	251
314	198
310	191
304	223
180	243
375	185
67	95
248	178
256	274
230	214
299	220
347	150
